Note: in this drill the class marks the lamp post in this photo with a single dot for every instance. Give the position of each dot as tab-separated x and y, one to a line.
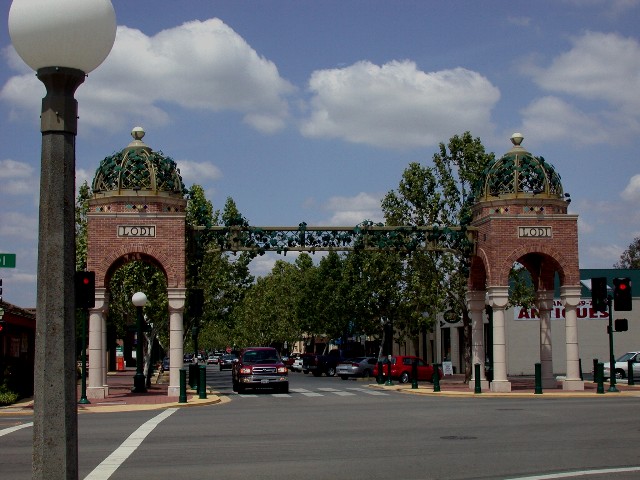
62	41
139	299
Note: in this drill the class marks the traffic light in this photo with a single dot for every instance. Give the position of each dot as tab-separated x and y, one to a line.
599	299
85	283
622	294
621	325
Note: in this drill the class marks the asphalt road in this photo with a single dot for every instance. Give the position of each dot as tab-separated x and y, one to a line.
327	428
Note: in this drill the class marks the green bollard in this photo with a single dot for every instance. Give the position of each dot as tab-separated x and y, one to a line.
183	386
436	377
595	370
600	378
414	373
538	388
630	380
476	374
388	382
202	384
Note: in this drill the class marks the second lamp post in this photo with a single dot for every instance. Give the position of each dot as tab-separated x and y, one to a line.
139	299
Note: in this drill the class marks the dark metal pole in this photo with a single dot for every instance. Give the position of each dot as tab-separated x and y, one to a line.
436	377
183	386
630	380
55	409
83	394
139	384
414	373
612	360
478	383
538	387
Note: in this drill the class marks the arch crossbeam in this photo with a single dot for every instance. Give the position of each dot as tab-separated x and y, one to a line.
369	237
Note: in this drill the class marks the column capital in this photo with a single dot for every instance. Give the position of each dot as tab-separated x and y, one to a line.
101	301
544	299
476	299
176	298
570	295
498	296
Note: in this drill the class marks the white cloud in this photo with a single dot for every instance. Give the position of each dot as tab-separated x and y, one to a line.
200	65
198	171
24	227
351	211
17	178
631	192
396	105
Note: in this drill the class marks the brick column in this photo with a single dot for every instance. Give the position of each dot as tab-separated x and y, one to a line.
570	297
476	305
498	297
96	388
544	303
176	336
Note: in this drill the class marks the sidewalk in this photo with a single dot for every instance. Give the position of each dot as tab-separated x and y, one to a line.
120	397
520	387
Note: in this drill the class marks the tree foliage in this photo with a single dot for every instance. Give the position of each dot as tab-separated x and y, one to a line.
630	258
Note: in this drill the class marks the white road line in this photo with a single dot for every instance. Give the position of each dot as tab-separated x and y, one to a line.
328	390
344	394
581	473
367	391
7	431
305	392
110	464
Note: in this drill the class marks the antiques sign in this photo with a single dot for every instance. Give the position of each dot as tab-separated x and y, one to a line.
534	232
136	230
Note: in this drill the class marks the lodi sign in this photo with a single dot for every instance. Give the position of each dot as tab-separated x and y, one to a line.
136	230
534	232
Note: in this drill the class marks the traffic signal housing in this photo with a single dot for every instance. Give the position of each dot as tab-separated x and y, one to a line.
599	295
622	294
85	283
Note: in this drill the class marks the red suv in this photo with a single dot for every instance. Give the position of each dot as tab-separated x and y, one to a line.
401	368
260	367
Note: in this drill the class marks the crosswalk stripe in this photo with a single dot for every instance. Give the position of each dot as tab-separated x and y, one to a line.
368	392
308	393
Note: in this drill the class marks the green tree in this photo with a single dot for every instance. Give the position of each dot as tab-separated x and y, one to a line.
630	258
82	235
440	195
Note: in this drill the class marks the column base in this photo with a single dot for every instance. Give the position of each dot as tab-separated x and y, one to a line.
98	393
173	391
500	386
573	385
484	384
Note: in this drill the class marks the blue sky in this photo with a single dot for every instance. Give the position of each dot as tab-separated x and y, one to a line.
311	110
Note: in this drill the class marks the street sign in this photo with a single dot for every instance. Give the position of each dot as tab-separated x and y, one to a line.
7	260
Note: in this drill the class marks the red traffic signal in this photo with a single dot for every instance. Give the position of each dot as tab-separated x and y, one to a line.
622	294
85	283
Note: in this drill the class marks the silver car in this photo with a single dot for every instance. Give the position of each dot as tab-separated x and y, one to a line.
622	364
356	367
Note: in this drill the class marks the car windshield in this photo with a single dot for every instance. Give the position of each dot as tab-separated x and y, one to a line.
626	357
260	356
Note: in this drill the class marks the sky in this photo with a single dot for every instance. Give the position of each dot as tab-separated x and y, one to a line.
310	110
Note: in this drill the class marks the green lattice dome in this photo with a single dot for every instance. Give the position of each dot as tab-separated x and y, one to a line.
140	169
519	174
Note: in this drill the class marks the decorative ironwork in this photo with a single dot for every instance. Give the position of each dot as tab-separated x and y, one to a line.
366	236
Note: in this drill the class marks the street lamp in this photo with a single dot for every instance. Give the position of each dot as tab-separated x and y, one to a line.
63	41
139	299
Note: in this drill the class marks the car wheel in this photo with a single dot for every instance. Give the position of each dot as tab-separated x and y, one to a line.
305	371
317	374
344	377
331	371
283	388
404	377
241	389
235	386
620	374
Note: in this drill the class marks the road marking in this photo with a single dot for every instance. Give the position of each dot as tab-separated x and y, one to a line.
328	390
306	393
7	431
110	464
367	391
581	473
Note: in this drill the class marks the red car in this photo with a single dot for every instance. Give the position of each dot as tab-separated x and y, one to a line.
401	368
259	367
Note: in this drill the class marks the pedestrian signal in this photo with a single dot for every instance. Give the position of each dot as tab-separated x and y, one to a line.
599	297
85	283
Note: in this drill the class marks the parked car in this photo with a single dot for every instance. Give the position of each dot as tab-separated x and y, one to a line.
289	359
356	367
296	366
260	367
165	364
188	358
319	364
212	360
621	366
227	361
401	367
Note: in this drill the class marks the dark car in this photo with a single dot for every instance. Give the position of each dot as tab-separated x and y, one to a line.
260	367
401	367
227	361
165	364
